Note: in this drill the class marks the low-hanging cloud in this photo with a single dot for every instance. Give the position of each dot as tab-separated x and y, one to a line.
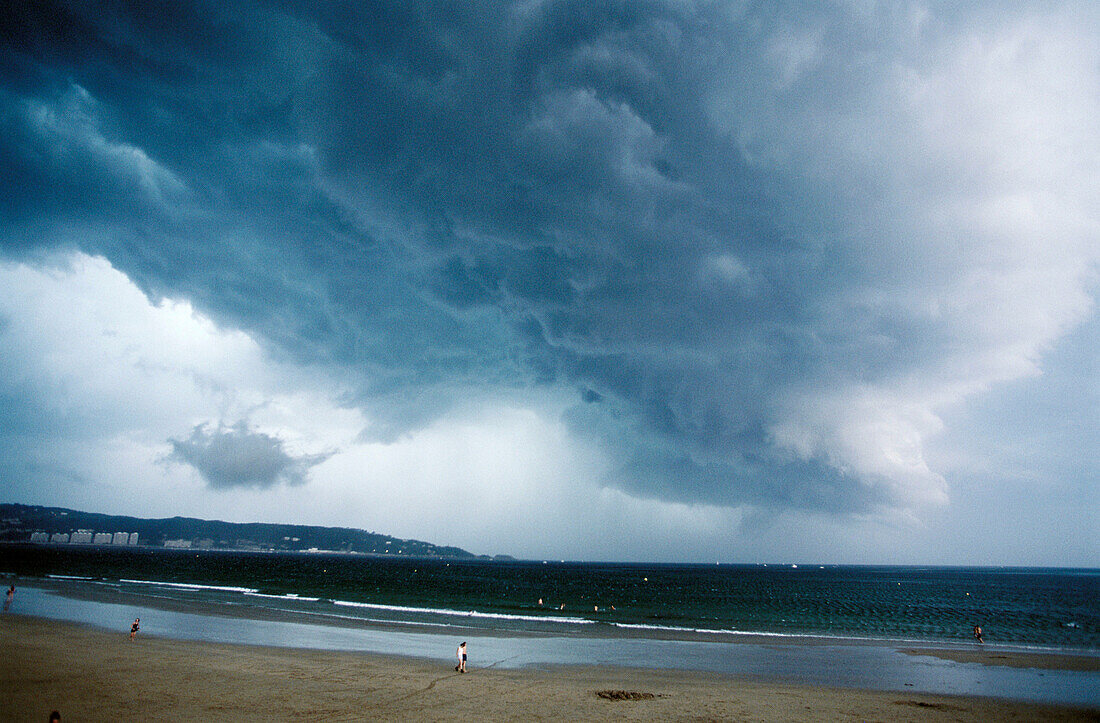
768	244
236	456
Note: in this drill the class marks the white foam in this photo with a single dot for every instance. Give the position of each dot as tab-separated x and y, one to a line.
465	613
762	634
287	596
192	586
383	621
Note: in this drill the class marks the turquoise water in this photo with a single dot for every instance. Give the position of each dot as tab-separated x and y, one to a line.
1029	608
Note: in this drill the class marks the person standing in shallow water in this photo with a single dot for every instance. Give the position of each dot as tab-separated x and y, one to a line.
461	658
9	598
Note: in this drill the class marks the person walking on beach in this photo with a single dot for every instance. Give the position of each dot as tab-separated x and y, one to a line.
461	658
9	598
978	633
134	628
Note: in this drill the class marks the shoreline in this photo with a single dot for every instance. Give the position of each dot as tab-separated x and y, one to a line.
1009	659
93	674
992	673
108	592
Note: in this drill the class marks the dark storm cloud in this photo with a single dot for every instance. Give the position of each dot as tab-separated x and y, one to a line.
237	456
632	199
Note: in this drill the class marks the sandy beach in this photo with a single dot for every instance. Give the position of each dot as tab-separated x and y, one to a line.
95	675
1042	661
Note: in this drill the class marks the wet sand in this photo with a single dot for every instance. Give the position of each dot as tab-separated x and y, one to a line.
1008	659
95	675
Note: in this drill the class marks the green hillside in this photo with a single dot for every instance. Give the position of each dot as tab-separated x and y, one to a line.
19	523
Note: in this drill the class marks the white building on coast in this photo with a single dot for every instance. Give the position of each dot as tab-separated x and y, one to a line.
88	537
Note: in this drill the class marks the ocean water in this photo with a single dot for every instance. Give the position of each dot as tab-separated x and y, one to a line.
1029	608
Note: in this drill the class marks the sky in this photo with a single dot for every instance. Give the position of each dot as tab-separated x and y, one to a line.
668	281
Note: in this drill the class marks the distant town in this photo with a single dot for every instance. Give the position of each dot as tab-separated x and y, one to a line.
91	537
59	526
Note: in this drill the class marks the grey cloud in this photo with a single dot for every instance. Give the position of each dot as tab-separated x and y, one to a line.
237	456
687	211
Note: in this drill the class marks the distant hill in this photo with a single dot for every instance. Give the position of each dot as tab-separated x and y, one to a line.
32	523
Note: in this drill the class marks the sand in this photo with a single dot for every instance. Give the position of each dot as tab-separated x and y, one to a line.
93	675
1041	661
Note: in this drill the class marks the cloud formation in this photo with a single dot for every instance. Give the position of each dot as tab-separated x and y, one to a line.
236	456
761	250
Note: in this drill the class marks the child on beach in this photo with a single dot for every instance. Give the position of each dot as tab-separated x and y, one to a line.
134	628
9	598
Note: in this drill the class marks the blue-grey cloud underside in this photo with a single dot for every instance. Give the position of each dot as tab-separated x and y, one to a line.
680	212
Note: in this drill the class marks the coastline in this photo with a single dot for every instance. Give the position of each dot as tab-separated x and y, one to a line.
1010	659
1026	677
992	653
95	674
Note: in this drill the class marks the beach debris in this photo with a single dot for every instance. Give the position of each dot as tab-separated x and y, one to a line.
933	706
624	695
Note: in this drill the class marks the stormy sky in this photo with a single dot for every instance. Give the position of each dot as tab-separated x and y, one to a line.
587	280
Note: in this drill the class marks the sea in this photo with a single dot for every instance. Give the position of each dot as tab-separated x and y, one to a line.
1046	609
854	626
